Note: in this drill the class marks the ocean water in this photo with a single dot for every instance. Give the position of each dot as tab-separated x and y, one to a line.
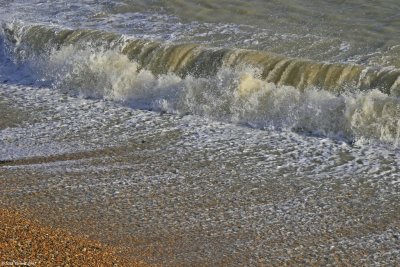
207	132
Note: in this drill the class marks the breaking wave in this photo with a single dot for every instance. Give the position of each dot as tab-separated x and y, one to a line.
256	88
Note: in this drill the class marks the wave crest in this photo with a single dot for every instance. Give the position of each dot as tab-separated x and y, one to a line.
247	87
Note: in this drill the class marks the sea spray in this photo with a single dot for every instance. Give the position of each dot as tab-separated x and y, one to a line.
238	95
257	89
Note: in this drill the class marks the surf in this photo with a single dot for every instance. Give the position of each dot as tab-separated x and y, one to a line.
247	87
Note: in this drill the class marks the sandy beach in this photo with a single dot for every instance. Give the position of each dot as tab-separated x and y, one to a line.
25	242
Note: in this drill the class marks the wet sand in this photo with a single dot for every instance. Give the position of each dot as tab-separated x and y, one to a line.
27	242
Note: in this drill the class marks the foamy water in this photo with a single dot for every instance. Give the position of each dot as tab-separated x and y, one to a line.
211	132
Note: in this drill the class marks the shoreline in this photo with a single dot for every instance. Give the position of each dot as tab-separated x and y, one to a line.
188	191
26	242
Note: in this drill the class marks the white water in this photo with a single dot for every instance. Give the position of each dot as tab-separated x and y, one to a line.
237	95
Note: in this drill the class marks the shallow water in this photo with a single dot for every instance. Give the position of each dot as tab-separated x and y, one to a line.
191	191
207	133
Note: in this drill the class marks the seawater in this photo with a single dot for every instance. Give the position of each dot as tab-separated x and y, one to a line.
213	131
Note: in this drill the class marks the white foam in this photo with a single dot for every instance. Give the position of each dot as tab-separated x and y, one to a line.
233	95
